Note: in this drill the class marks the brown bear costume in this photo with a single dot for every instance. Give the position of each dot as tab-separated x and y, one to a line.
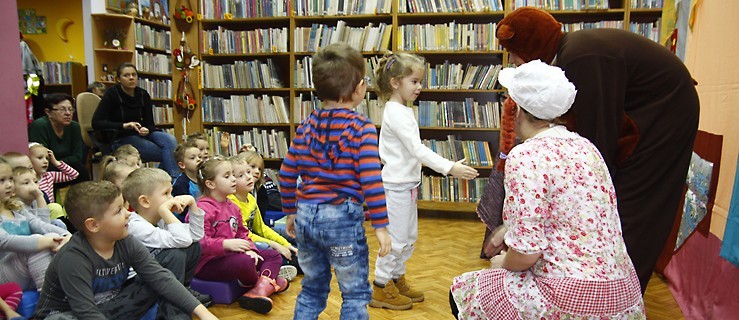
637	102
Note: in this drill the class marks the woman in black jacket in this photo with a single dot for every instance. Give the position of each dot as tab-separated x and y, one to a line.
128	109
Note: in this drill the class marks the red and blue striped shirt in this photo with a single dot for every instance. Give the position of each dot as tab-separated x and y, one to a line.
335	154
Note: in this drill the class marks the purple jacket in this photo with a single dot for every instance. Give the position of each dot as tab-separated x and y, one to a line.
222	222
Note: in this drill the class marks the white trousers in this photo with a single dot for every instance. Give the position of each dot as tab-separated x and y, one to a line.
402	211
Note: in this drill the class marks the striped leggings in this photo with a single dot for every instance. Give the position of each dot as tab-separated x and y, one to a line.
11	294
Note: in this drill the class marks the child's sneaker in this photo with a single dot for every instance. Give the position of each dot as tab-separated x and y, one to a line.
389	297
288	272
405	289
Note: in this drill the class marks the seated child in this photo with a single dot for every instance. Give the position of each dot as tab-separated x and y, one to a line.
115	171
41	157
188	159
88	277
27	190
128	154
228	253
10	298
26	242
201	141
172	243
261	234
17	159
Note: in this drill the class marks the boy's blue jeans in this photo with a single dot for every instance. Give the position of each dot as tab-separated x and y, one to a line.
332	236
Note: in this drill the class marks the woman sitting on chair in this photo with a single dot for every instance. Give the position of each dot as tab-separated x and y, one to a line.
128	108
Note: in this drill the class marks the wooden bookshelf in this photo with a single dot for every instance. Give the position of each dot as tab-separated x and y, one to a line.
286	61
65	77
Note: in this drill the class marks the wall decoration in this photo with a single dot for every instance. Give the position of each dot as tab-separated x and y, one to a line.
116	5
30	23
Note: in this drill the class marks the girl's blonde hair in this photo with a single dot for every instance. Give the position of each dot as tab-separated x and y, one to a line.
112	169
395	66
11	203
207	170
251	158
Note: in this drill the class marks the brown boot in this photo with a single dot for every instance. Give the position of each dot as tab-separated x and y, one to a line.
257	298
405	289
388	297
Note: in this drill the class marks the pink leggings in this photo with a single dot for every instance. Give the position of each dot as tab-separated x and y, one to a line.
241	266
11	293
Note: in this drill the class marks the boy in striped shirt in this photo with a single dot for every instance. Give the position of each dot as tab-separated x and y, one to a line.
335	154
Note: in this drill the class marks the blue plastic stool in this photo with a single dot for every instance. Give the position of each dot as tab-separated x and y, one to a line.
28	303
222	292
271	216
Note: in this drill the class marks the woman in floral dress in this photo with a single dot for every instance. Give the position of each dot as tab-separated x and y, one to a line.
566	257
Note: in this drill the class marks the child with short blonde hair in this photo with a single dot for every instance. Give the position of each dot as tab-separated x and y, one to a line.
399	82
172	243
188	159
88	277
41	157
228	253
259	232
128	154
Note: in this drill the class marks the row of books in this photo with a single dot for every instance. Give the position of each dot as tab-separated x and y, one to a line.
455	76
562	4
450	36
367	38
443	6
437	188
157	88
270	143
569	27
303	75
154	63
477	153
245	109
224	41
163	114
647	3
147	36
241	74
240	9
341	7
450	114
57	72
458	114
650	30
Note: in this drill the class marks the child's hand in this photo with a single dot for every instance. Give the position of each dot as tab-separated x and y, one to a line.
384	238
52	158
236	245
462	171
49	242
255	256
495	244
171	205
64	241
225	140
187	200
285	252
293	249
290	225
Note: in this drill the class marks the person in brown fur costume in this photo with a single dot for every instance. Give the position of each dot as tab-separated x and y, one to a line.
636	102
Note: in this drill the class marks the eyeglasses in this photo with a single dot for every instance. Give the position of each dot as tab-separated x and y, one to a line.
63	110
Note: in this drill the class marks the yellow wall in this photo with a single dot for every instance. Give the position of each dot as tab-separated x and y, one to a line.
712	55
48	46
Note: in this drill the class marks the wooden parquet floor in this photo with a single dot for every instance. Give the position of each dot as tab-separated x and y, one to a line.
447	247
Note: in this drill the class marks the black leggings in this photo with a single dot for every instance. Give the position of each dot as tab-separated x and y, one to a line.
453	305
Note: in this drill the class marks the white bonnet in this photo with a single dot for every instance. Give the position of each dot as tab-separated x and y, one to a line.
539	88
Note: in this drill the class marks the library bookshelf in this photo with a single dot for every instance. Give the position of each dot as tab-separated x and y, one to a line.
145	43
254	80
65	77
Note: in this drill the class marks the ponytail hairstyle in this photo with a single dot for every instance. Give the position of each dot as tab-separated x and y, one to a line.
207	170
395	66
507	133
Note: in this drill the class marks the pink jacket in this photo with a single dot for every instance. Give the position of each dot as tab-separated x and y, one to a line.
222	222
